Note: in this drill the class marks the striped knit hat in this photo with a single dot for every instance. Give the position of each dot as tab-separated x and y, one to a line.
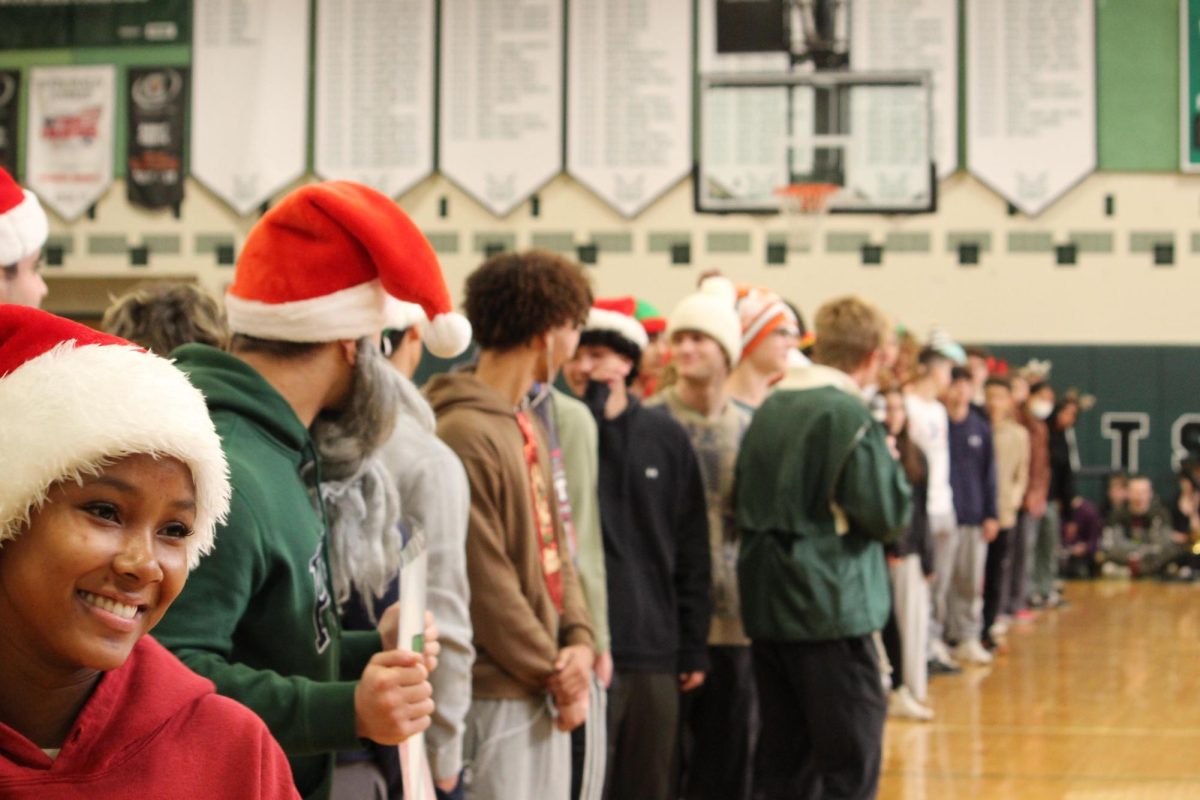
762	312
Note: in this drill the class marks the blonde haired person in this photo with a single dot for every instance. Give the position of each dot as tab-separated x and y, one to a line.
819	491
163	316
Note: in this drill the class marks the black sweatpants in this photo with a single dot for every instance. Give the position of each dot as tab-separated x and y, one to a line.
894	648
997	576
720	728
643	719
823	709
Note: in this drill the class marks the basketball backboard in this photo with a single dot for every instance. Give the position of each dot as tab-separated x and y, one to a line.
868	133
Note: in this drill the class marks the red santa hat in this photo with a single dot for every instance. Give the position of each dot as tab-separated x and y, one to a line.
73	400
317	267
23	225
616	316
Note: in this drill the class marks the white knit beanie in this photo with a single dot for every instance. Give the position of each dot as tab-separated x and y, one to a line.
711	311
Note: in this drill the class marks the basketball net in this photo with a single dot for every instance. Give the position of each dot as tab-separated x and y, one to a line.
804	207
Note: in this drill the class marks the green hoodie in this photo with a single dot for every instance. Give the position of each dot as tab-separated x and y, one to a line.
257	616
818	492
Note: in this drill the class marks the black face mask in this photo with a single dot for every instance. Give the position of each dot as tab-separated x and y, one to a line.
595	396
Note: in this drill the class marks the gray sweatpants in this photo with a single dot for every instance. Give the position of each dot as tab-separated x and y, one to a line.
965	602
1024	542
1045	554
944	531
512	751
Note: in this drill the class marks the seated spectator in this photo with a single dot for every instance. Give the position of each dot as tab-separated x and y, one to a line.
1116	495
1185	511
163	316
1081	541
1141	537
109	499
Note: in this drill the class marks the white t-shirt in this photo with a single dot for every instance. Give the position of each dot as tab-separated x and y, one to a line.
929	427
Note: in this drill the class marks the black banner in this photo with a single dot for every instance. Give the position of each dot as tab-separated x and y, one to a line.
35	24
751	26
154	145
10	104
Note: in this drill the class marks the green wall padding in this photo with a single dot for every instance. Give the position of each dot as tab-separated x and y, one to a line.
1162	382
1137	84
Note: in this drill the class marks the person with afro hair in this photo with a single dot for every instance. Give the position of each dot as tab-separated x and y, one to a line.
533	640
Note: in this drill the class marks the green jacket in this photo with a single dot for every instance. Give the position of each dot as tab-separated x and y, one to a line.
818	493
257	616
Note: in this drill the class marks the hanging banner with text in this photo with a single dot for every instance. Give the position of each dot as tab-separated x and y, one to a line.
10	105
1189	84
1031	97
250	104
629	98
157	98
917	35
500	134
70	136
374	98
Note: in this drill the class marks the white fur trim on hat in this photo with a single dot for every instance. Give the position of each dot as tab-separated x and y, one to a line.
347	314
72	410
625	326
401	315
713	315
23	230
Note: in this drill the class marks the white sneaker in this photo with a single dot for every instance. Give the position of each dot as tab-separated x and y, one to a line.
901	703
972	652
941	653
1111	569
999	628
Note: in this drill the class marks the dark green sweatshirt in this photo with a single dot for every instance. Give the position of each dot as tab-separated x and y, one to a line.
818	493
257	616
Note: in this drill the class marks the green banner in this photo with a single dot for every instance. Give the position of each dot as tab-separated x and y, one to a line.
40	24
1189	84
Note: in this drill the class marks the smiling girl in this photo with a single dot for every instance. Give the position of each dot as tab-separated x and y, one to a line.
111	483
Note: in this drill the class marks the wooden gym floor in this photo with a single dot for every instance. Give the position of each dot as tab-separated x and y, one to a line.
1096	701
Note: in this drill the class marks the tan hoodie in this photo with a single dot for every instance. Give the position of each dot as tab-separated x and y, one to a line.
518	631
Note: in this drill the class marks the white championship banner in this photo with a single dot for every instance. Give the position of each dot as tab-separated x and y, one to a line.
500	132
250	97
1031	97
916	35
374	92
70	136
629	98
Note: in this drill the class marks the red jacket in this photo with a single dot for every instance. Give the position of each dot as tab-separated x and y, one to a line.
152	728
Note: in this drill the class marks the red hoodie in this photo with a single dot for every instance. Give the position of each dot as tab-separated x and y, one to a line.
152	728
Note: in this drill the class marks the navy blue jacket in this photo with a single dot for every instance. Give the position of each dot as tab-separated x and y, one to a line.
972	470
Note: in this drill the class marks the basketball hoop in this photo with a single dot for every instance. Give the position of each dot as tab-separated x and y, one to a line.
804	206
